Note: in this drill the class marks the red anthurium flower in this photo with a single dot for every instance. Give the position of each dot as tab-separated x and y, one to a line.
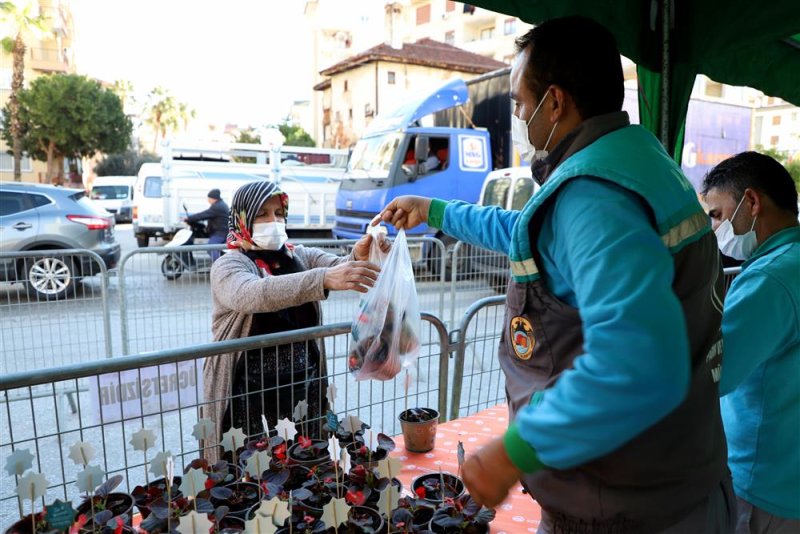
363	450
355	498
304	441
308	519
118	528
279	452
209	483
420	491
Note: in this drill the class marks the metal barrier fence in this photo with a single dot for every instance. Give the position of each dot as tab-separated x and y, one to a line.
478	382
154	283
55	312
162	392
475	273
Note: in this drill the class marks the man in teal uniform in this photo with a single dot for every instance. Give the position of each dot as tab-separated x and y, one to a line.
752	202
611	345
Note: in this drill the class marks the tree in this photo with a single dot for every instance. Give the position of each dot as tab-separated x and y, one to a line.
792	164
67	115
296	135
124	90
23	22
165	114
123	163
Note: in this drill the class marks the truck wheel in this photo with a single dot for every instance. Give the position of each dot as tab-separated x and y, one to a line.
50	278
172	267
142	240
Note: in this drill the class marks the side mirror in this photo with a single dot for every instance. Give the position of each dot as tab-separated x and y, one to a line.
410	171
421	148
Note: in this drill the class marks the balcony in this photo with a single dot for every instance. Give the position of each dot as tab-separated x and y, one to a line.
478	17
48	59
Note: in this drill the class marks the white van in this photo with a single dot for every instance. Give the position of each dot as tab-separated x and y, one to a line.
510	189
161	204
115	194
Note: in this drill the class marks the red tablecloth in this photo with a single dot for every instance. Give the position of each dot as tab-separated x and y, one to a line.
519	513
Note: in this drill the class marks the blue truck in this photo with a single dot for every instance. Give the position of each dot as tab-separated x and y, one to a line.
440	145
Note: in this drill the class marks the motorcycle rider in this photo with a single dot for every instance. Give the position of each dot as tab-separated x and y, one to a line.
217	216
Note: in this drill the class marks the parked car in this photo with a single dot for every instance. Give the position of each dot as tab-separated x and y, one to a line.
115	194
45	217
509	188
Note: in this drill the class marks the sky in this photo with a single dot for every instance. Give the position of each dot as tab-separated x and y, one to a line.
237	61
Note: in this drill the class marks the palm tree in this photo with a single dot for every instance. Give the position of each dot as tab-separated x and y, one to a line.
186	114
163	113
23	21
124	90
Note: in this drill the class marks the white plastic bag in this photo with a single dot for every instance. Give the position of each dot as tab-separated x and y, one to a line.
385	332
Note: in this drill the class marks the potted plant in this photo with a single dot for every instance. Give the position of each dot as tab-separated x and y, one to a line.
419	428
362	520
461	515
115	525
143	496
220	473
105	504
224	523
239	497
25	526
360	453
369	482
436	487
412	515
165	516
309	452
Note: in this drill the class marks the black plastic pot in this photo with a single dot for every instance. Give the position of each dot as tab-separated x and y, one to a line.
454	486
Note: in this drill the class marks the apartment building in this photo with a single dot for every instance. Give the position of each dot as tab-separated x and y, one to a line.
46	52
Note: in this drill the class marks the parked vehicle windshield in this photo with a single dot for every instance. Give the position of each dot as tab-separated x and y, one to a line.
374	156
110	192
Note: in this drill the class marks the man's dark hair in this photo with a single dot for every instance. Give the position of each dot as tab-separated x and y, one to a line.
580	56
756	171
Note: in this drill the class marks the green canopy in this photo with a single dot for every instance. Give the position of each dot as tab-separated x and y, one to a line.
736	42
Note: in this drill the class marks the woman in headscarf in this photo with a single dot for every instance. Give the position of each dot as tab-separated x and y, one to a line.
263	285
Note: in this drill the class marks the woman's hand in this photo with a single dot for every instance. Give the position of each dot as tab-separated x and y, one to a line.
356	275
361	249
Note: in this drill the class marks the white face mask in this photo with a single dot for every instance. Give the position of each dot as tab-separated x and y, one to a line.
738	247
269	236
521	140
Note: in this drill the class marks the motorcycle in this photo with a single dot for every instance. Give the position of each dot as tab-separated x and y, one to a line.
175	264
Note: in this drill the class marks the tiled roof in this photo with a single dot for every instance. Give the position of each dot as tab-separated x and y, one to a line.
424	52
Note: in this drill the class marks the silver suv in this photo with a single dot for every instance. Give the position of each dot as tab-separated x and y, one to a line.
45	217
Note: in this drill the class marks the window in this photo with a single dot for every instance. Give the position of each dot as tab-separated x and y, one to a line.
510	26
776	120
350	113
345	86
496	192
450	6
7	163
523	190
487	33
39	200
110	192
11	203
423	14
152	187
391	77
713	88
773	140
450	37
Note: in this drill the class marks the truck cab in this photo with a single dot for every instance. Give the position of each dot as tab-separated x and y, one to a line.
399	156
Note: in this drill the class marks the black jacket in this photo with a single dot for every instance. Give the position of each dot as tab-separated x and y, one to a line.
217	217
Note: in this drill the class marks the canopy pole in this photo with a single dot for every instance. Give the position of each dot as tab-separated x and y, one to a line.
666	20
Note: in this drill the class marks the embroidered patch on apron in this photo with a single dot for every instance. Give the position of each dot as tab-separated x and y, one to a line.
522	341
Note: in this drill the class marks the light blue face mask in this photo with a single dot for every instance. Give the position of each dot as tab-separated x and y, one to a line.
738	247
